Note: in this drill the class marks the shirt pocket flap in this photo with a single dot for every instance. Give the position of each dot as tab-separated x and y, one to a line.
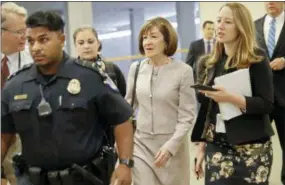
74	103
17	106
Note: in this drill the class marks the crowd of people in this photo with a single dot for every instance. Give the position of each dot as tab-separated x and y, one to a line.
71	121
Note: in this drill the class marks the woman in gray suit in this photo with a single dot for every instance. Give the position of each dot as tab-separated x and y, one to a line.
166	108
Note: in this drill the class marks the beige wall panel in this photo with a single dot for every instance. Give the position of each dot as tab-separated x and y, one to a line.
209	10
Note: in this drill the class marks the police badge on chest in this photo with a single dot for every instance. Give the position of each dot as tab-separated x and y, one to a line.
74	86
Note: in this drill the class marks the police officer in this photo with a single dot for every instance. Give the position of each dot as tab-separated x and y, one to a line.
55	104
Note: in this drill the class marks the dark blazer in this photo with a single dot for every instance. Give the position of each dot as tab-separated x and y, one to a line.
196	50
255	123
117	76
279	51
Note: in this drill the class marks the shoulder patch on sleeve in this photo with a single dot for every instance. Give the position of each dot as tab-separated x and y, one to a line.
24	68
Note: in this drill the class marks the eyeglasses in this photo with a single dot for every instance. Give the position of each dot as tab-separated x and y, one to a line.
18	32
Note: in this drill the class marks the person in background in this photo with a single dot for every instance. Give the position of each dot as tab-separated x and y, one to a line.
270	31
166	108
13	57
202	46
240	154
88	47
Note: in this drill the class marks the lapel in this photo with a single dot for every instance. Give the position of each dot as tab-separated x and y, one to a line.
261	38
280	41
202	46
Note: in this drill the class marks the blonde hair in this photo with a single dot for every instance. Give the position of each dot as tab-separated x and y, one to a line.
167	30
245	45
13	8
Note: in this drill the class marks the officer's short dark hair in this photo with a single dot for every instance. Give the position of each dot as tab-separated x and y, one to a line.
166	29
207	22
48	19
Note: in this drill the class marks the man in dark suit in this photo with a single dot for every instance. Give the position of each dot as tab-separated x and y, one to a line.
201	46
271	37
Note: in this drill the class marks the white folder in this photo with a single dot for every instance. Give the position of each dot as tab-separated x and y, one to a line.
236	82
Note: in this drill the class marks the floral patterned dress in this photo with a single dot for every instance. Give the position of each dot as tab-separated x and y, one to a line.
238	164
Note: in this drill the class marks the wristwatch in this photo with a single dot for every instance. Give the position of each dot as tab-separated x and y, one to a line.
128	162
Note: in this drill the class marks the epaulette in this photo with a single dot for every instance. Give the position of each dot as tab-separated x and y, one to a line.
99	67
24	68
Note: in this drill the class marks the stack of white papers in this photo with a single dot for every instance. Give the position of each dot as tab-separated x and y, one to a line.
236	82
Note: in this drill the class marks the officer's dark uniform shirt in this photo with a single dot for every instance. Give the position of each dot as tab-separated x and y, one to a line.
72	133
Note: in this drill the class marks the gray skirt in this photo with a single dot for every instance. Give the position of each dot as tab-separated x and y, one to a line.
175	172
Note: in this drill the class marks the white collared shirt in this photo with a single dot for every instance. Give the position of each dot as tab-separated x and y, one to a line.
206	44
13	60
279	25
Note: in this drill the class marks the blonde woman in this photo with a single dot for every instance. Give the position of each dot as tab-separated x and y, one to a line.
242	154
166	108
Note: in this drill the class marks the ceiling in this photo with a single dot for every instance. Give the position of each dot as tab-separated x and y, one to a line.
110	15
116	14
33	6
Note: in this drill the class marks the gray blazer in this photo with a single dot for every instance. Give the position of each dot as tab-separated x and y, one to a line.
166	104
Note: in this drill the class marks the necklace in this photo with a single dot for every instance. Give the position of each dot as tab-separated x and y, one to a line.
155	71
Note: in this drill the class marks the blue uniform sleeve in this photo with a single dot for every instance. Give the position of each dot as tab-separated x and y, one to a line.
7	125
111	105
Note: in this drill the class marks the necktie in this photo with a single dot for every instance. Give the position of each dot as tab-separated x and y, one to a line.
271	37
4	70
208	47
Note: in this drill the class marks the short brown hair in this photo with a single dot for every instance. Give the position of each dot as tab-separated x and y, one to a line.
167	30
207	22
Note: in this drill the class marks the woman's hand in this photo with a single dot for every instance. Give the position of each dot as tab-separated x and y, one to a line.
221	95
200	157
4	182
161	158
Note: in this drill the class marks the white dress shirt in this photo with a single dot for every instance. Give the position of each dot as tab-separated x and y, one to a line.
279	25
13	60
206	44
